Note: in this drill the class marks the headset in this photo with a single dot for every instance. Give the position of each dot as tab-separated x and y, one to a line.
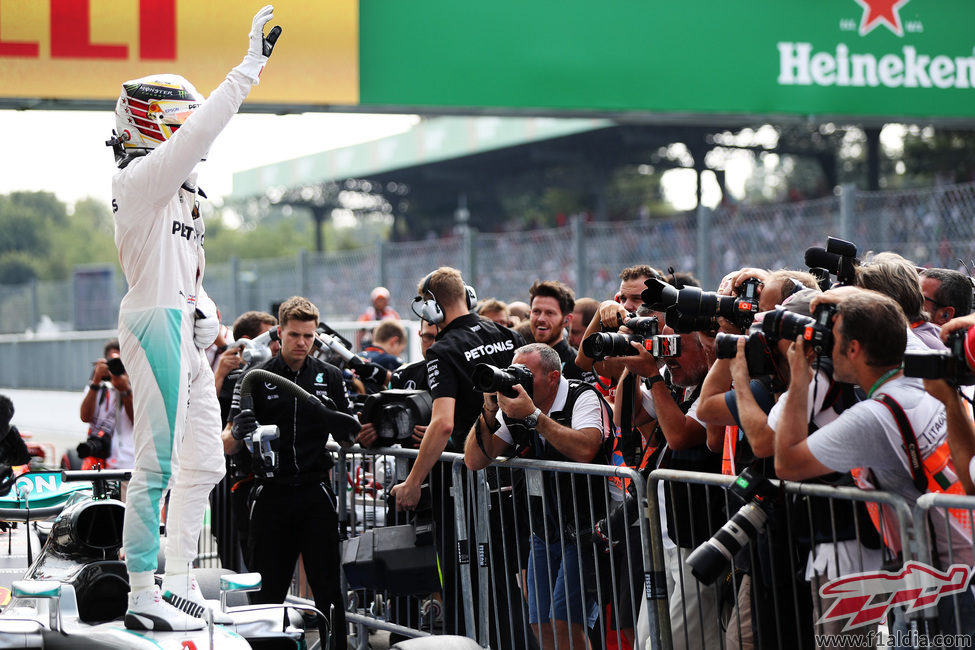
430	309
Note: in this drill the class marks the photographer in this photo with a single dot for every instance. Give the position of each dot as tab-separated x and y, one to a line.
611	313
561	420
293	512
828	530
107	409
870	335
894	276
947	294
412	376
685	520
961	429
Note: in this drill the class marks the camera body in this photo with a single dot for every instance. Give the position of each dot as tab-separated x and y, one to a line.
817	329
692	310
491	379
645	331
115	366
950	365
709	560
395	412
97	445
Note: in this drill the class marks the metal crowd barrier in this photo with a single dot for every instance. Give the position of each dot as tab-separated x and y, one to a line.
643	587
766	598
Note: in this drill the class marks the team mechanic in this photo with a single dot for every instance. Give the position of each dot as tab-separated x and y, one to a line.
293	511
166	320
463	341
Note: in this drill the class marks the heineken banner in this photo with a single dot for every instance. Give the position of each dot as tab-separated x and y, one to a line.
896	59
886	58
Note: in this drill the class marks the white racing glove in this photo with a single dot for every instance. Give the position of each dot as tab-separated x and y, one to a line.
207	324
260	46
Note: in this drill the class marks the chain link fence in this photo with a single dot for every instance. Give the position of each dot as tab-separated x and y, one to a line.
930	226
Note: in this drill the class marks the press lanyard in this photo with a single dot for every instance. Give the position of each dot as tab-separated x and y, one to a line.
884	377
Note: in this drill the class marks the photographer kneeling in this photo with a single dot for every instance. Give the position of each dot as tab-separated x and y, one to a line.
559	419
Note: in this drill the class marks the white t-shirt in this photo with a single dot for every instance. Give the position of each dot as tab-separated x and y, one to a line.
587	413
111	417
867	436
827	558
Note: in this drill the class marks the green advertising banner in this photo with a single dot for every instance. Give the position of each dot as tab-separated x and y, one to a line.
867	58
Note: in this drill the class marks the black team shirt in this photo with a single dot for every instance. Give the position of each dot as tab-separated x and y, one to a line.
460	346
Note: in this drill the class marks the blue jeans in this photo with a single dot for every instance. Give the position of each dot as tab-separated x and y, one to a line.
555	589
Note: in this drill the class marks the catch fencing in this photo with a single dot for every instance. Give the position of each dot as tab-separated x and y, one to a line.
931	226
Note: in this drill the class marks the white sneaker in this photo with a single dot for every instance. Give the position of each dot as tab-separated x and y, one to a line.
183	592
148	611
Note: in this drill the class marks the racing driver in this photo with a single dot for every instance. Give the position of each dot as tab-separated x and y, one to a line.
166	320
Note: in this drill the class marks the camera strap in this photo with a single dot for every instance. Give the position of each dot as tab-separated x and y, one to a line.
910	442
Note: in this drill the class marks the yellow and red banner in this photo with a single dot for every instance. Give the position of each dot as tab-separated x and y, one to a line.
85	49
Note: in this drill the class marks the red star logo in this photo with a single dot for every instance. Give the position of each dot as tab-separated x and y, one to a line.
876	12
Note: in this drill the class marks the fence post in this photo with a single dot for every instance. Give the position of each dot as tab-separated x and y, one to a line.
35	309
235	284
579	253
703	254
302	264
848	193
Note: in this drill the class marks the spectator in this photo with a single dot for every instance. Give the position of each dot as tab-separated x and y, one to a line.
292	506
388	342
107	406
582	314
551	312
378	310
518	312
947	294
496	310
580	432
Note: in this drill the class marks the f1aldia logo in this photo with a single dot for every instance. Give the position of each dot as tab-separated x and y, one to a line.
881	12
865	598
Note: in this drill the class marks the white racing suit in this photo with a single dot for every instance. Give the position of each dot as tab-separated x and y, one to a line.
176	415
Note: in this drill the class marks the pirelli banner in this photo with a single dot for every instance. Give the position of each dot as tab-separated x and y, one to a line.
888	59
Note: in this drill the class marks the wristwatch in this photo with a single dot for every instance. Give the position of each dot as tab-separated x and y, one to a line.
531	421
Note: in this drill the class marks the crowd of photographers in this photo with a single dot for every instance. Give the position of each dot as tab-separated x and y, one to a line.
851	373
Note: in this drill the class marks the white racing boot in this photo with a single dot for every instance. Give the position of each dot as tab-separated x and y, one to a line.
148	611
183	592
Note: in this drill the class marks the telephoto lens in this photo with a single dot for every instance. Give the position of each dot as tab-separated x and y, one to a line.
600	345
710	560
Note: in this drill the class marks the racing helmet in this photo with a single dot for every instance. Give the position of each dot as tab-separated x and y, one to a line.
149	111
